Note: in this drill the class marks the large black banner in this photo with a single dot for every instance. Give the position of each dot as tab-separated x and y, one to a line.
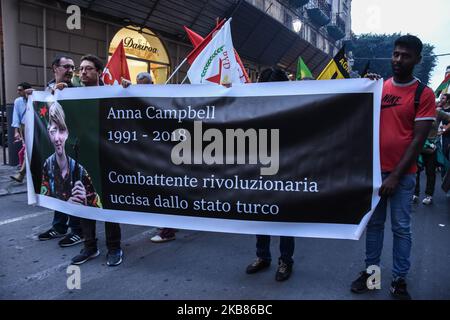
297	158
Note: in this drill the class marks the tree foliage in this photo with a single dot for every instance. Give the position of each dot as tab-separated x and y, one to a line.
381	46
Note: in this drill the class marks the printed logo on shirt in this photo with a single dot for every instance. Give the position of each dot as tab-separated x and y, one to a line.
390	101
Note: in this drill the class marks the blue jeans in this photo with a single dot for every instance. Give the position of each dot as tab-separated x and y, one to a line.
287	245
60	223
401	203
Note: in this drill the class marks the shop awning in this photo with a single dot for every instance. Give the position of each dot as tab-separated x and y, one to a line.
257	36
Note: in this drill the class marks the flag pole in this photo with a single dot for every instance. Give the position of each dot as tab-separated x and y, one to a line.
177	68
184	79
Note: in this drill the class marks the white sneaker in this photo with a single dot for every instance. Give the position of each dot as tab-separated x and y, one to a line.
415	199
427	200
159	239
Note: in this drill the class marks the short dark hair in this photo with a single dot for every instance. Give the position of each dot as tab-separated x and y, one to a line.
24	85
95	60
411	42
57	60
273	74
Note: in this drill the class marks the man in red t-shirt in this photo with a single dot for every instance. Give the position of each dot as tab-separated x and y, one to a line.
404	126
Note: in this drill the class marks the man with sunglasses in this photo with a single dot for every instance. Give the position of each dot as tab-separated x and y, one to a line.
63	68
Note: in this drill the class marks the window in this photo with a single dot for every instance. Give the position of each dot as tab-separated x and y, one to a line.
145	53
287	20
345	7
325	46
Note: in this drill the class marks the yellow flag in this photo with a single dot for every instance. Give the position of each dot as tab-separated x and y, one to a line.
337	68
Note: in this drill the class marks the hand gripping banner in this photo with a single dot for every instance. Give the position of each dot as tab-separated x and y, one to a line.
293	158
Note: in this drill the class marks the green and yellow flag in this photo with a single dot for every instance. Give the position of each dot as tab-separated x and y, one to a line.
337	68
302	70
443	87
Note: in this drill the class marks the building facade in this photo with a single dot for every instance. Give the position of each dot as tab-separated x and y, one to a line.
265	33
323	23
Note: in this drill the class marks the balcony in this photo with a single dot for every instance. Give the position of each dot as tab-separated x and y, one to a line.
336	29
297	3
319	12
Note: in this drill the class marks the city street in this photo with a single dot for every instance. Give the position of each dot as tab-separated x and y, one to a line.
202	265
232	116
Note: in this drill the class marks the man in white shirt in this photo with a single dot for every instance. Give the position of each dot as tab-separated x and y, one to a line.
18	123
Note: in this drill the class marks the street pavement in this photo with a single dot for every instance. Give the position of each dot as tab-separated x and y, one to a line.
7	185
205	265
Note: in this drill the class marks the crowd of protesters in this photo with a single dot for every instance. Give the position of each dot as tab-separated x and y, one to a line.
415	128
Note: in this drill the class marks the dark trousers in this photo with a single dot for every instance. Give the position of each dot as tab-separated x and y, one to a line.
112	233
429	163
446	145
287	246
60	223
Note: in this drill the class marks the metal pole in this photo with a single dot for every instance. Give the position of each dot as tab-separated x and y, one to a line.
173	73
107	43
4	125
184	79
44	43
178	60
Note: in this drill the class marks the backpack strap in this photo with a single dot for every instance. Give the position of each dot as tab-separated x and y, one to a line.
420	88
